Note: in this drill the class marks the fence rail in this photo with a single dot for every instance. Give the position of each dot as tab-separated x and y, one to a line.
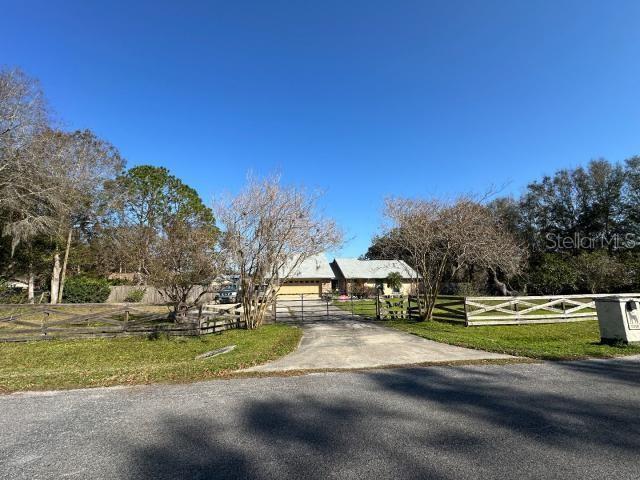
310	307
152	296
42	322
23	322
472	311
532	309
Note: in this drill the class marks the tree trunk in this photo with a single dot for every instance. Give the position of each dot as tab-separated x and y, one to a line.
30	294
500	286
430	301
63	275
55	278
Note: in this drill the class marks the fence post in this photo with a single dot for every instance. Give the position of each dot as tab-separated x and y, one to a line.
302	304
351	299
408	307
378	305
275	309
466	313
126	321
43	324
515	308
328	300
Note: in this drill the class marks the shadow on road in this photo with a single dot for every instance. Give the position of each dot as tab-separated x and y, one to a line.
552	418
188	448
618	371
420	423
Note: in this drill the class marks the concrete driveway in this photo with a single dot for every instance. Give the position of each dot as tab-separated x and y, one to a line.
344	342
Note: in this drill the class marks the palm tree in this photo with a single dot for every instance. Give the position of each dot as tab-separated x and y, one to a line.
394	281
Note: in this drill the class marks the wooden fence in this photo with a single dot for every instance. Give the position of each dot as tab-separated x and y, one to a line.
42	322
477	311
400	307
152	296
532	309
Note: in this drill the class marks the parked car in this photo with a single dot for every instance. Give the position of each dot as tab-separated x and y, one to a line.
228	294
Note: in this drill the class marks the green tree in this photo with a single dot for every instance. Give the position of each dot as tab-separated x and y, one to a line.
394	281
587	203
386	247
577	211
552	274
149	200
599	272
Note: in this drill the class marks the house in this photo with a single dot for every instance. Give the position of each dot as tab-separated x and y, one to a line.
352	274
313	276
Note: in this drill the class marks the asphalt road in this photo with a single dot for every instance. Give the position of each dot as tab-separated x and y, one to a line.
574	420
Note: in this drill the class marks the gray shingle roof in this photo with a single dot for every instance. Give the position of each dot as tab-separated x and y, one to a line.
314	267
352	268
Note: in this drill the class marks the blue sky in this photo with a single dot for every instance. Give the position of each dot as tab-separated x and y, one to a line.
362	99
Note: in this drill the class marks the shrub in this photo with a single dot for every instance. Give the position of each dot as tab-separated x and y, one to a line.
135	296
465	289
360	290
11	295
86	290
115	282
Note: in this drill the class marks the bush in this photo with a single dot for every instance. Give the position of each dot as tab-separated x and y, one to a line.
11	295
465	289
360	290
135	296
116	282
86	290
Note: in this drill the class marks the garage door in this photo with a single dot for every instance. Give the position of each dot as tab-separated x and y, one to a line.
299	288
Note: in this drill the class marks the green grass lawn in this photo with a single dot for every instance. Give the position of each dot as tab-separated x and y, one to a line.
59	364
366	307
390	306
559	341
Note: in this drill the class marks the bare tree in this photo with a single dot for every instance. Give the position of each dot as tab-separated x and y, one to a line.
30	197
270	229
441	238
182	260
50	181
23	111
26	192
84	164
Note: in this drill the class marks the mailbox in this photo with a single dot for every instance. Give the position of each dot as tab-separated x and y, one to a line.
619	319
